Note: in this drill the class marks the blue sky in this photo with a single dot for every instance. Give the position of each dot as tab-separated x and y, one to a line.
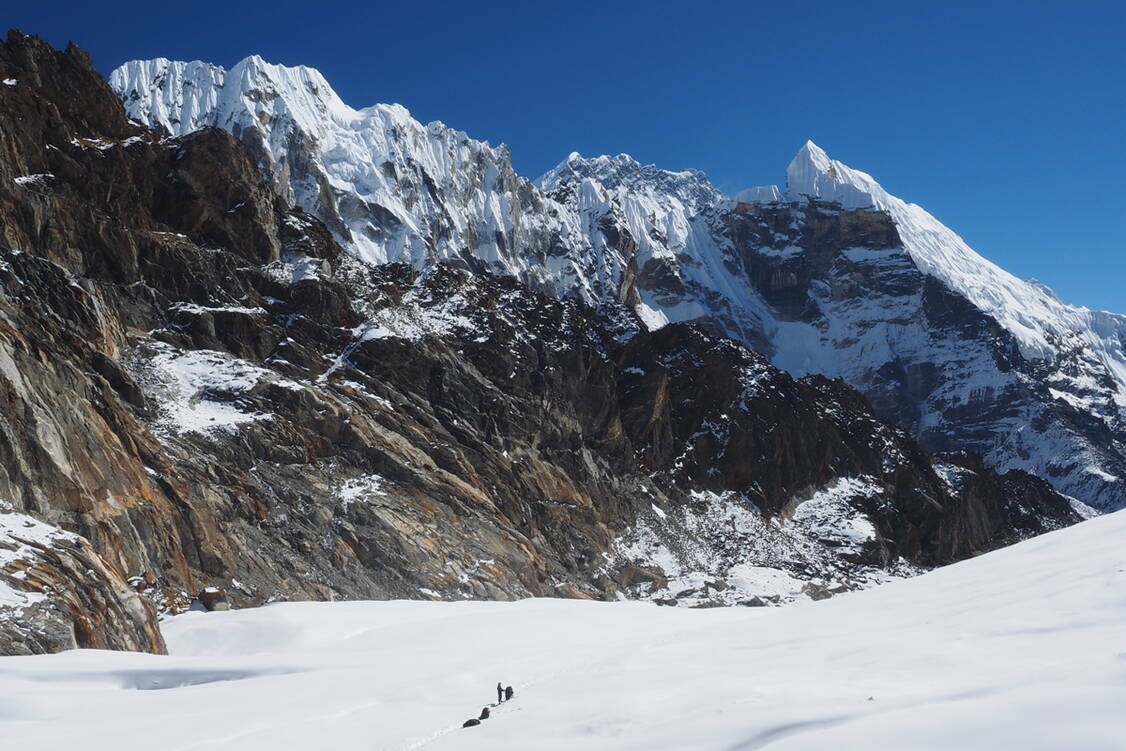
1007	120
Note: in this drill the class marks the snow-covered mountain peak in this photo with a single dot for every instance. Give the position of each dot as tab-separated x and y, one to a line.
624	173
575	168
1033	313
388	186
293	84
180	97
812	173
673	247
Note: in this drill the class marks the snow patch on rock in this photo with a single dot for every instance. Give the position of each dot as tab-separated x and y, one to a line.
361	488
16	532
831	518
199	391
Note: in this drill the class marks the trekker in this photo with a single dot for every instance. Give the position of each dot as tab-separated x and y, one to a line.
500	693
508	693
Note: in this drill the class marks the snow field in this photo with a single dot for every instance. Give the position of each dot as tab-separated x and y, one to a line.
1022	648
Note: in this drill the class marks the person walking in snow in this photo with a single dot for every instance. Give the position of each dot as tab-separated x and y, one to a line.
500	693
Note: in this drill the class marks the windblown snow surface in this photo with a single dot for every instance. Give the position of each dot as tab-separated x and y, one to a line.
1024	648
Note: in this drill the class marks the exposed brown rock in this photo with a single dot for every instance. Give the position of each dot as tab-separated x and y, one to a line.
88	603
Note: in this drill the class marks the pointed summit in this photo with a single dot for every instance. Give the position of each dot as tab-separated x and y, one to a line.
813	154
808	164
812	173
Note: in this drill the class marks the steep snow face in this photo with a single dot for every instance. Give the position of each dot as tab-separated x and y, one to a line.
184	95
1028	309
1017	649
663	226
389	187
1024	390
829	275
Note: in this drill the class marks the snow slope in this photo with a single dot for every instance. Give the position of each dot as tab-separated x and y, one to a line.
389	187
1028	309
1020	648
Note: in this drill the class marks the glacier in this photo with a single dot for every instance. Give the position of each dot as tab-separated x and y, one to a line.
828	273
1020	648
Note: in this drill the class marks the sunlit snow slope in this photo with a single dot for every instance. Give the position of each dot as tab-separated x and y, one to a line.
1022	648
1031	311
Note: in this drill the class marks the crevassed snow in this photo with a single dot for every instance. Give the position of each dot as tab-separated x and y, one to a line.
1017	649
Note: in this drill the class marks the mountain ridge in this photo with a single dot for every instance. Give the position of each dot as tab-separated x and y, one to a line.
204	386
674	248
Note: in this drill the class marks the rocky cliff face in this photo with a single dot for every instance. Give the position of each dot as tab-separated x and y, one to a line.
57	592
848	300
829	274
196	379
